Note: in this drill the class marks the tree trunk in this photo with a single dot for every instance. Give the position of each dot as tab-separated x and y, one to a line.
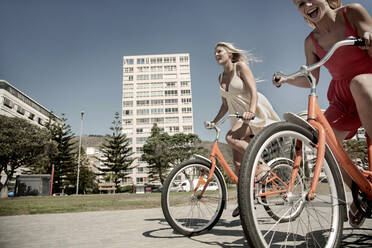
4	192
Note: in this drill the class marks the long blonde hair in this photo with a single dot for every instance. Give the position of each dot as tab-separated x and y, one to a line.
238	55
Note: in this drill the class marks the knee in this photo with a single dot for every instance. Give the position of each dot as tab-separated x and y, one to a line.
360	85
230	139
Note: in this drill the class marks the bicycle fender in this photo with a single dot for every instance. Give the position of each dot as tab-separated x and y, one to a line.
216	168
295	119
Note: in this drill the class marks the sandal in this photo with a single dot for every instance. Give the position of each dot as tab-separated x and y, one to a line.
261	172
236	212
356	218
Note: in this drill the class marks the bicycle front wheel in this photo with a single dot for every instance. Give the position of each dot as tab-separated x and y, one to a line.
291	221
186	209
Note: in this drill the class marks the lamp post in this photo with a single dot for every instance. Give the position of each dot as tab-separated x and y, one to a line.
78	172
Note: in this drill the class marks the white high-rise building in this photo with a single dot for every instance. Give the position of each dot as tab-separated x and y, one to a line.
156	89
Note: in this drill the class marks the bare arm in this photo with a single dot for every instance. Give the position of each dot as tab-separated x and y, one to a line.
311	58
222	111
361	21
245	73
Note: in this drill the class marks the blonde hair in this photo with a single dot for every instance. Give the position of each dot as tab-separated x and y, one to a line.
238	55
333	4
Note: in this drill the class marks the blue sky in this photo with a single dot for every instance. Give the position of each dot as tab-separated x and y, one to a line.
67	55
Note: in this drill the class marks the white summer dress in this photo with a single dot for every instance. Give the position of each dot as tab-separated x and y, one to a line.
238	102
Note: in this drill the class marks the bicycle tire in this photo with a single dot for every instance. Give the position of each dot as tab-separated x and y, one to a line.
184	211
320	223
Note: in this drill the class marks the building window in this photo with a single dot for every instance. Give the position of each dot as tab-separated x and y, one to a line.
143	121
186	110
171	93
128	95
173	129
143	94
128	78
157	111
171	84
40	121
143	86
185	92
140	170
128	86
127	104
184	59
159	120
143	111
186	119
157	93
141	140
157	85
143	69
143	103
186	100
127	122
157	68
139	180
170	68
127	112
20	110
140	61
171	119
184	75
169	59
157	102
171	101
184	67
128	69
170	76
129	61
171	110
143	77
7	102
185	83
156	76
128	130
31	116
187	128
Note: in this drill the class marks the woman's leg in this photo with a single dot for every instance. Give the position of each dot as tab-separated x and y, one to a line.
361	89
238	137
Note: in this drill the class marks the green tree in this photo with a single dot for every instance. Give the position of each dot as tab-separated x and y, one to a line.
117	152
64	159
87	177
22	145
162	151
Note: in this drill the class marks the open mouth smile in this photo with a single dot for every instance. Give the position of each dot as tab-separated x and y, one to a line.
312	13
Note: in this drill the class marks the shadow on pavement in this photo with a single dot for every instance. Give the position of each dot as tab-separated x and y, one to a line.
357	237
168	233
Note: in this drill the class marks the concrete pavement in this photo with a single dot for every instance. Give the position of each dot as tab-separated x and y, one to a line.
131	228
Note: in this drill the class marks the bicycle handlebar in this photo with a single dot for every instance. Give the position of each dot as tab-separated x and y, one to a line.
215	126
306	70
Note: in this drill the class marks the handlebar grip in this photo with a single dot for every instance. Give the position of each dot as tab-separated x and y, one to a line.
359	42
277	80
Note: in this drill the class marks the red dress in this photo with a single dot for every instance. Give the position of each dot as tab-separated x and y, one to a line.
346	63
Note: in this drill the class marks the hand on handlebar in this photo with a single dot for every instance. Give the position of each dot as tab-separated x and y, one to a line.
278	79
209	125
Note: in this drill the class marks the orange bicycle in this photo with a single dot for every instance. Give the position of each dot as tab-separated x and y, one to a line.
195	194
311	209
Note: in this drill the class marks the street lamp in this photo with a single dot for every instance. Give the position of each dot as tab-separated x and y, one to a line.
78	172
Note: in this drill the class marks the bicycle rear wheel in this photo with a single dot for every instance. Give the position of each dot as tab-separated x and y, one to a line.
296	222
186	210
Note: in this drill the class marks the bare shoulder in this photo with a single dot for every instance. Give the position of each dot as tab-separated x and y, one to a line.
241	66
356	11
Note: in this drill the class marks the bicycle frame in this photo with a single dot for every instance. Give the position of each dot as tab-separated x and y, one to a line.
326	135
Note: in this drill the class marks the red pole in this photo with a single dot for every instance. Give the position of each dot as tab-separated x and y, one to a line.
51	181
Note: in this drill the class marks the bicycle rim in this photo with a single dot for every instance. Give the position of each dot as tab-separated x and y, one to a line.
185	210
319	223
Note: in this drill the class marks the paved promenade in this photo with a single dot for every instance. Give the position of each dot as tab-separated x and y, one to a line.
131	228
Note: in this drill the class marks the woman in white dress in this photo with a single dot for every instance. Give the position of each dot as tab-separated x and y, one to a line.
239	95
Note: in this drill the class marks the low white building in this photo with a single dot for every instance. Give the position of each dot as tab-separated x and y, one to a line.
15	103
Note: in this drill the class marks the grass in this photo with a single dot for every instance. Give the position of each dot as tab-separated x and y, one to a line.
80	203
83	203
